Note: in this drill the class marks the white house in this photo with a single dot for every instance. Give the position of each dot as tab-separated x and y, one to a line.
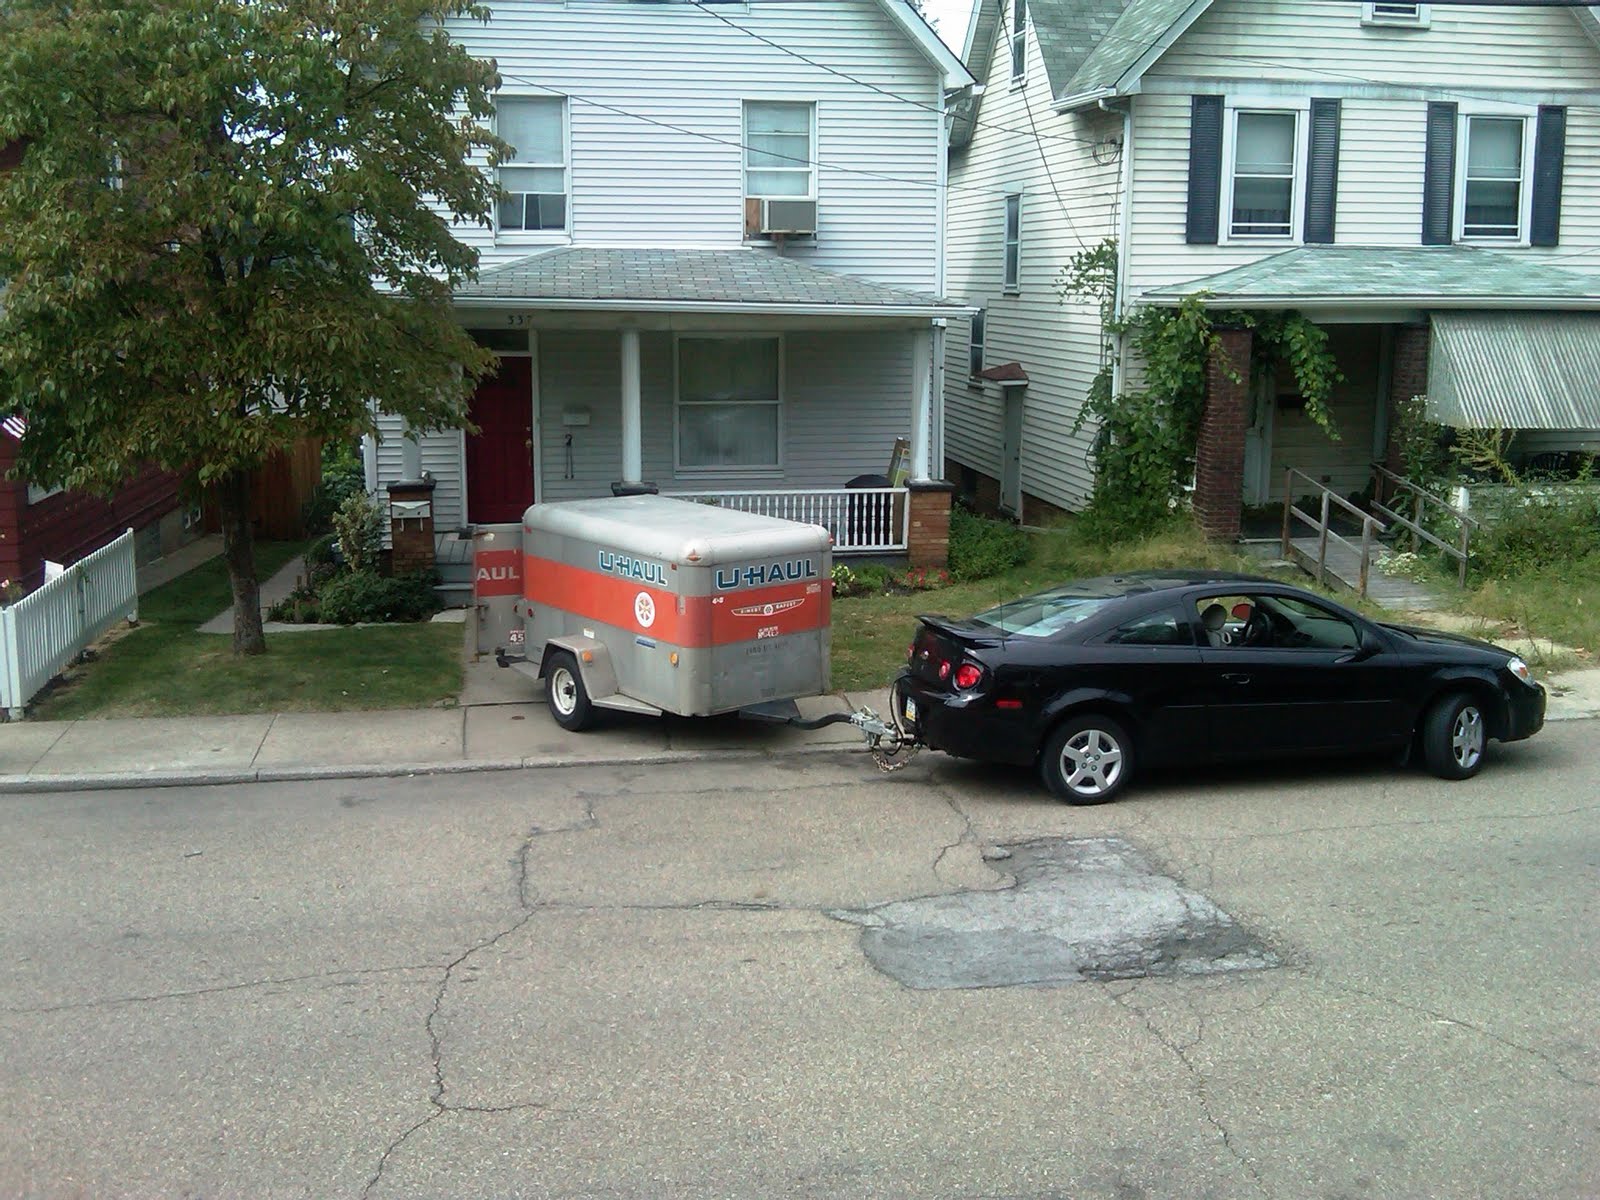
719	270
1418	179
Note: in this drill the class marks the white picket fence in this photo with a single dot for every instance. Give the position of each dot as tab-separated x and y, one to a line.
49	627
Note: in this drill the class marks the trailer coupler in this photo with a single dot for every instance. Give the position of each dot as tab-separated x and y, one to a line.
892	746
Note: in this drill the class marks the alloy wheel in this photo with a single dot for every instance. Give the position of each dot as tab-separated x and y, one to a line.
1466	737
1091	762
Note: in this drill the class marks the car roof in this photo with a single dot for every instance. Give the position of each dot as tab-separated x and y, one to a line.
1131	583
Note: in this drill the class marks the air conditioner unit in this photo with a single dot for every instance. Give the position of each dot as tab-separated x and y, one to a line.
791	218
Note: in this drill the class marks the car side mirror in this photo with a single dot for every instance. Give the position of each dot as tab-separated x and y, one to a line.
1370	645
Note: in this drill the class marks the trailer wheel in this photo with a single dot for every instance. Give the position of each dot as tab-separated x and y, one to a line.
565	694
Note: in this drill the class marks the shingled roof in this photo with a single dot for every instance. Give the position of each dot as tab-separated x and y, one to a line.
742	280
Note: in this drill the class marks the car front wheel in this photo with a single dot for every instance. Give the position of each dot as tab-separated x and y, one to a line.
1087	760
565	694
1454	737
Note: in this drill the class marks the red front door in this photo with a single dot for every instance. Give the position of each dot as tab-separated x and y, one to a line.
500	454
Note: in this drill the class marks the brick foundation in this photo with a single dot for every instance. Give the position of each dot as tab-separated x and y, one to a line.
1219	450
928	544
411	536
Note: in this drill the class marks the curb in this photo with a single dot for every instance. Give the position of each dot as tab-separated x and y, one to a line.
134	780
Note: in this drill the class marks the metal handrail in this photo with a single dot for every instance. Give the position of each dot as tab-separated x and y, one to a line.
1370	526
1461	551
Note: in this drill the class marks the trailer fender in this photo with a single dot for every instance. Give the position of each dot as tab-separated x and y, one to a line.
594	664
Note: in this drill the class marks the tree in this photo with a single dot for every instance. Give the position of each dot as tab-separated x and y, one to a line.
225	234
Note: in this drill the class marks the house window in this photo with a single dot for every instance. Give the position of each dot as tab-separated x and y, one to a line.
1013	244
729	403
536	174
1019	40
1384	12
1263	175
778	159
1494	177
975	346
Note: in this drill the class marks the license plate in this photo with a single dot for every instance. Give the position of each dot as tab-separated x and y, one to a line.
911	709
514	636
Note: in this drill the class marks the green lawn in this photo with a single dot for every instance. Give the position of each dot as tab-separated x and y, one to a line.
166	668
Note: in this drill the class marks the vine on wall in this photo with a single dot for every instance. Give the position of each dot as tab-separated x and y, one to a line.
1144	447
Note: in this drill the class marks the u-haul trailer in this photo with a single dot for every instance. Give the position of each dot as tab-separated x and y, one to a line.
651	605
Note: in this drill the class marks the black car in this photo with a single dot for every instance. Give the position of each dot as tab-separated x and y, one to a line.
1098	678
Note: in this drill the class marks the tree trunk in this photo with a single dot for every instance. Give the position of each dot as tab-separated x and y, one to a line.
239	552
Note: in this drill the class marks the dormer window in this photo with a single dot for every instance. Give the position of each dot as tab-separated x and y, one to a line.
1386	12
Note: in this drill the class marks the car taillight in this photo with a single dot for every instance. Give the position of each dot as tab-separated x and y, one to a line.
968	675
944	668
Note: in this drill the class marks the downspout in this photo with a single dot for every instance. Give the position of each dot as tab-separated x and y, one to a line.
1124	229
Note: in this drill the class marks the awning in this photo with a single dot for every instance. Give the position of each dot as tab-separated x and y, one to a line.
1515	370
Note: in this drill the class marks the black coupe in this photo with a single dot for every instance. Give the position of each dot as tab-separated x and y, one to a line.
1098	678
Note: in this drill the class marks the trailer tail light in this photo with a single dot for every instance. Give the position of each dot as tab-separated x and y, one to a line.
968	675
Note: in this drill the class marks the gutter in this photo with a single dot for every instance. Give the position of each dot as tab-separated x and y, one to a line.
1288	300
716	306
1124	232
1084	99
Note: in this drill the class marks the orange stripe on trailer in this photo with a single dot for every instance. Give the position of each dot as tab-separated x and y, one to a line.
724	619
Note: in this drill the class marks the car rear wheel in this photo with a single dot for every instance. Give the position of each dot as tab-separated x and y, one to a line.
1088	760
565	694
1454	737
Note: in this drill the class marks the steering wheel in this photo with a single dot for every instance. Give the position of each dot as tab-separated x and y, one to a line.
1257	630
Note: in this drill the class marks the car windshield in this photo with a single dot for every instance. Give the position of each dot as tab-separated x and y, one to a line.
1042	615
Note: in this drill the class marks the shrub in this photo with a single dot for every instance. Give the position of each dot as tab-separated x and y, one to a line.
365	596
359	526
299	607
342	477
320	551
872	579
981	548
1535	536
844	580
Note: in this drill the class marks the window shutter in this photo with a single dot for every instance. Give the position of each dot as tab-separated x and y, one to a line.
1205	169
1439	175
1549	152
1322	171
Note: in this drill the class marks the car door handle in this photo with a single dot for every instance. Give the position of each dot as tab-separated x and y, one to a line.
1235	677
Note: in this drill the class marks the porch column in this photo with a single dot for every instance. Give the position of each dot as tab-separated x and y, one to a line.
1408	377
632	482
1219	450
921	404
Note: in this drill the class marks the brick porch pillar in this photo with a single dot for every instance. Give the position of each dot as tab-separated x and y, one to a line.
1408	377
411	526
1219	450
928	542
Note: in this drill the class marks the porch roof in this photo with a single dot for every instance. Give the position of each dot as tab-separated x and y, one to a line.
1515	370
646	279
1393	276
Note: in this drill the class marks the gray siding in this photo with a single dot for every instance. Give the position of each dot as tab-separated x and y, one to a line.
655	111
1070	205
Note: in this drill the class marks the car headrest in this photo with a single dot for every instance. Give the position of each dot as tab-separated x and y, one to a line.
1242	610
1214	617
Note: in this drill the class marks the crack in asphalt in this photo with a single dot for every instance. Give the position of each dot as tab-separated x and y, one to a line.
1201	1086
1543	1056
219	989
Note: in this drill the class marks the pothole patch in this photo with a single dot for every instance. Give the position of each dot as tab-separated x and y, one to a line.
1081	909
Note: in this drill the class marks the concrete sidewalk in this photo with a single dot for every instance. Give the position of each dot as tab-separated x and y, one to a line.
501	724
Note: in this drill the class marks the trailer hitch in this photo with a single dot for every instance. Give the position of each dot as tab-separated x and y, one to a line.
891	744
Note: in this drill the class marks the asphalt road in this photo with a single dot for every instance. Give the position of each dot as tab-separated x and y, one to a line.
655	981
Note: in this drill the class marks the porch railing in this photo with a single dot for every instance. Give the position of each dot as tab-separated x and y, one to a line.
1322	528
1400	493
50	626
861	520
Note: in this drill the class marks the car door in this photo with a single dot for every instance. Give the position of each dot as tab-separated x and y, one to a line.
1152	660
1321	680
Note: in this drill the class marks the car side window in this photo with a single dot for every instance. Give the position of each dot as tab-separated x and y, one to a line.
1165	627
1307	626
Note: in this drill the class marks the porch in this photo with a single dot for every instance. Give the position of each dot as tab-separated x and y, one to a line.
815	403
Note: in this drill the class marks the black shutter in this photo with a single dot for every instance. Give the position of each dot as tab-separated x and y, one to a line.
1439	175
1322	171
1549	152
1205	169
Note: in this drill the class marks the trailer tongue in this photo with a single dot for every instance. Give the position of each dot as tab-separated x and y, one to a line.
652	605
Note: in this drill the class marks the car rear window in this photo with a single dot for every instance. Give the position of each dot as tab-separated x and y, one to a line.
1043	615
